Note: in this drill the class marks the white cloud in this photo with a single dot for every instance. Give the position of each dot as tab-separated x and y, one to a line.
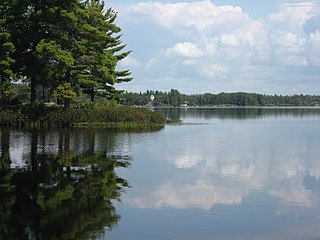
255	34
190	62
215	70
288	40
314	48
291	45
289	49
185	49
199	15
229	40
293	16
192	40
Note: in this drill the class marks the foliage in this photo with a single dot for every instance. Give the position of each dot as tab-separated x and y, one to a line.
65	91
67	47
6	49
97	60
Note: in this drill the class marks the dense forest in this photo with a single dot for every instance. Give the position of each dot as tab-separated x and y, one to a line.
175	98
60	50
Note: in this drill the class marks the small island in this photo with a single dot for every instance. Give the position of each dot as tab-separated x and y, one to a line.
58	67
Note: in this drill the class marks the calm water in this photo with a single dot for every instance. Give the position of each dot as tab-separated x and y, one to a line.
220	174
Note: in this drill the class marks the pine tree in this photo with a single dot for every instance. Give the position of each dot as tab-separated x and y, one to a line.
6	49
62	46
98	60
28	27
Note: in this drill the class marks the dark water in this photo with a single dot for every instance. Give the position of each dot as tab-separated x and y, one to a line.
59	184
220	174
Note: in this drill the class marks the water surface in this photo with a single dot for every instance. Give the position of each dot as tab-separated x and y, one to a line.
59	184
235	173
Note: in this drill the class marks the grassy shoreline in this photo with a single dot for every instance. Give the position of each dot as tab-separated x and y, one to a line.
94	117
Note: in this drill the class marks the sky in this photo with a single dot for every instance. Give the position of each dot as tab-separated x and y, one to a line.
212	46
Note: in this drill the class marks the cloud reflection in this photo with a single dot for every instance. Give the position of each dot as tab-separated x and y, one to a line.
249	159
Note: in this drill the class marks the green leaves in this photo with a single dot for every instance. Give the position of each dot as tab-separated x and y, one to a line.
62	46
54	62
65	90
8	46
52	52
70	16
97	50
6	61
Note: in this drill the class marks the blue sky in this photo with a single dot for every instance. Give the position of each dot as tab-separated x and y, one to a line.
269	47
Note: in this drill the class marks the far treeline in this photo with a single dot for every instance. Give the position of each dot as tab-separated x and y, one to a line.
175	98
62	49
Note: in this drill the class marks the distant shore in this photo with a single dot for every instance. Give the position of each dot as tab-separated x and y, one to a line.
177	99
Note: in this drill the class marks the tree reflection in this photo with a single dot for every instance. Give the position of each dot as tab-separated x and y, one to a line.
236	113
5	156
62	195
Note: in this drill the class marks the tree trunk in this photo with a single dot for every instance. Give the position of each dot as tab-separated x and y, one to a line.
33	85
68	80
34	151
5	149
92	95
66	103
43	94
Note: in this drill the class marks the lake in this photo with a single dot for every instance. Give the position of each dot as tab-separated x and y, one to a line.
221	173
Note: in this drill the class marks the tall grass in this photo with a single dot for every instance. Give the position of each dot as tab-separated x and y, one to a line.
102	116
11	118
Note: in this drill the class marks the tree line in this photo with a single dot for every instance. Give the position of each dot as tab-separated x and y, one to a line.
175	98
60	49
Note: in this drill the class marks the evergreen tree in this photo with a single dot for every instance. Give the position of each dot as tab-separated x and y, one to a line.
6	49
57	51
30	24
61	46
97	51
